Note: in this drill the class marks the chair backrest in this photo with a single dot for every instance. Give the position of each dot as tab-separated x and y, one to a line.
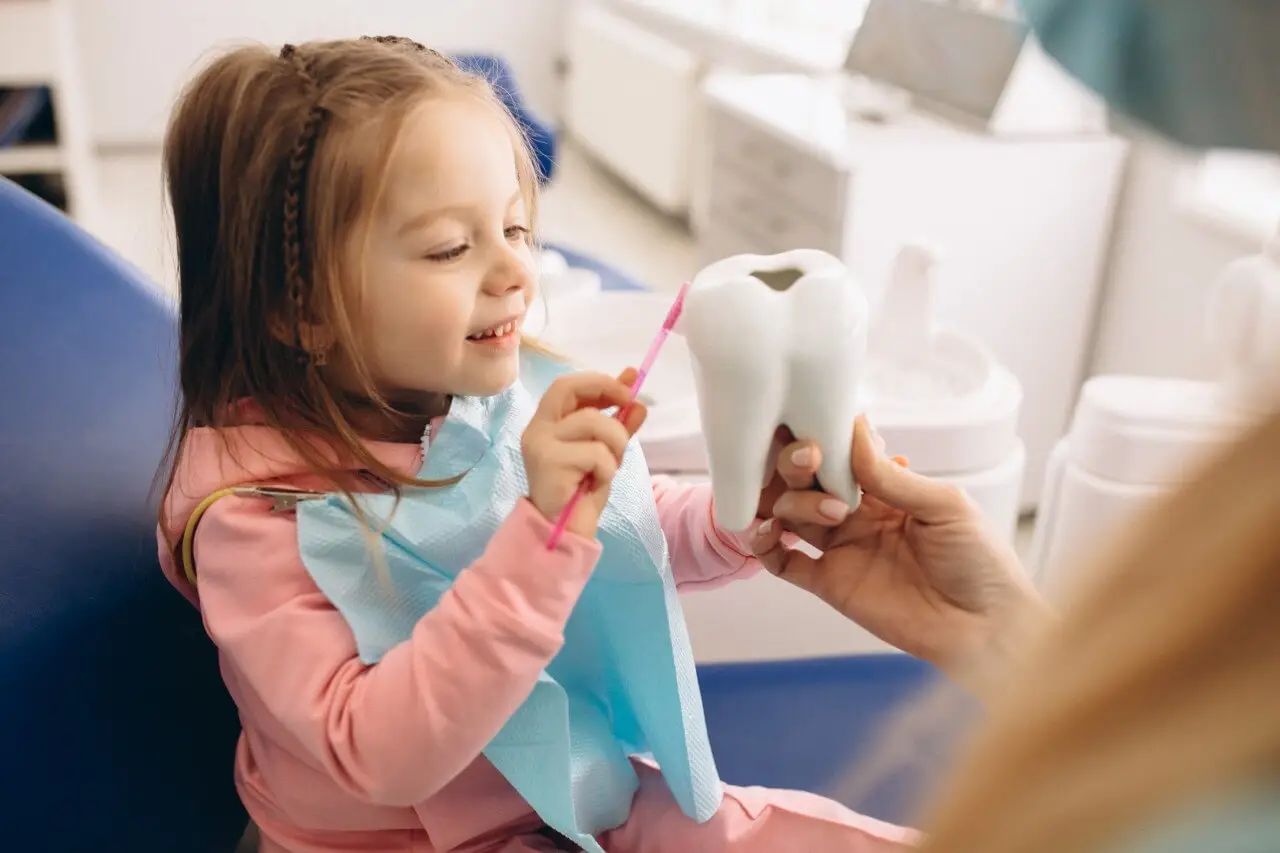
541	136
115	729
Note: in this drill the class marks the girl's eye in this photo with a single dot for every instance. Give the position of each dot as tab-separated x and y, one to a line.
517	232
449	254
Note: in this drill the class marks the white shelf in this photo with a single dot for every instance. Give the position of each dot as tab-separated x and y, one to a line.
27	37
30	159
37	48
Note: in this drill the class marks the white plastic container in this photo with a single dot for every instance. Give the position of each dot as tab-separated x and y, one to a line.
559	285
940	398
1135	438
1132	439
1244	329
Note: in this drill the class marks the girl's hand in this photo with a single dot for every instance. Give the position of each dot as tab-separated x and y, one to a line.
570	438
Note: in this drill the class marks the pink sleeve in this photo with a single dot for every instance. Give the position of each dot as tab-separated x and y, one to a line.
396	732
703	554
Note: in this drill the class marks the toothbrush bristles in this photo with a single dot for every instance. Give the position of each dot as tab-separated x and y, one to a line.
677	306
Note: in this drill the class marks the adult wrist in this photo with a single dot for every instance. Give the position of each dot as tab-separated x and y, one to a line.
982	661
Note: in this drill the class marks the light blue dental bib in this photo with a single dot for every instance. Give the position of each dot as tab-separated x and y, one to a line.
624	683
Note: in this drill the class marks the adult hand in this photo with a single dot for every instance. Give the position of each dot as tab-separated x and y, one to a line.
915	564
787	463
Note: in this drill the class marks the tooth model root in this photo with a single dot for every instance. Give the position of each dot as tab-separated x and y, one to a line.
767	354
827	421
740	457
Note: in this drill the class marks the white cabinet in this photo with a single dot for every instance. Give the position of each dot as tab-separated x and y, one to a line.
37	49
1022	224
630	100
636	68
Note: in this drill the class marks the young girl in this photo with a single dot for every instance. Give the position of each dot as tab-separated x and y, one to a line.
353	223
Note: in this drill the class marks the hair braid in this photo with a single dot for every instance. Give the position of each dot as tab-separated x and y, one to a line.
295	187
401	41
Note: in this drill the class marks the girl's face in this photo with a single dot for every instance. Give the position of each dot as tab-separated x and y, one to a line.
448	268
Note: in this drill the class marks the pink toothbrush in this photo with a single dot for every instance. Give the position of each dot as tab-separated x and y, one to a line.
645	366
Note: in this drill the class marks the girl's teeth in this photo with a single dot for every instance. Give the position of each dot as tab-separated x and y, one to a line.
498	331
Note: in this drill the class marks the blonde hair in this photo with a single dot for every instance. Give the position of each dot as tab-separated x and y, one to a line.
274	163
1160	684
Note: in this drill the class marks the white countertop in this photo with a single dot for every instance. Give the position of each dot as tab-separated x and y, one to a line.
809	112
804	50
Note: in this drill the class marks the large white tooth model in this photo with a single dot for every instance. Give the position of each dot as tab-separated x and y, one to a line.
775	340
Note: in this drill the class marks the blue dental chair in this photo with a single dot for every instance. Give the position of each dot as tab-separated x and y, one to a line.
541	136
115	730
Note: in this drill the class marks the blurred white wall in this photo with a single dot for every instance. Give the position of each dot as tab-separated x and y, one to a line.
134	54
1164	259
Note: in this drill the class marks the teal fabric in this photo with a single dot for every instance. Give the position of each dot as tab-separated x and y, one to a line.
1204	73
624	683
1243	821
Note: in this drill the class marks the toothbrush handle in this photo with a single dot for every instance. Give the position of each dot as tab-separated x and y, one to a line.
649	358
557	532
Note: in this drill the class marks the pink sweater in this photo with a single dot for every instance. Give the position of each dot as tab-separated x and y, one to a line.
339	755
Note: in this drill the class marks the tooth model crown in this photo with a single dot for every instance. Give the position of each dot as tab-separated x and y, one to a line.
775	340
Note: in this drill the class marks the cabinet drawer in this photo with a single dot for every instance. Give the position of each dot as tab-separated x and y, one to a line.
27	43
758	210
811	183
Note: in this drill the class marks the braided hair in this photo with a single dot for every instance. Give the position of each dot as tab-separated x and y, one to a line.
299	160
296	182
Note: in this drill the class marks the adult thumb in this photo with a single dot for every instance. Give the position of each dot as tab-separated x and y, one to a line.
929	501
